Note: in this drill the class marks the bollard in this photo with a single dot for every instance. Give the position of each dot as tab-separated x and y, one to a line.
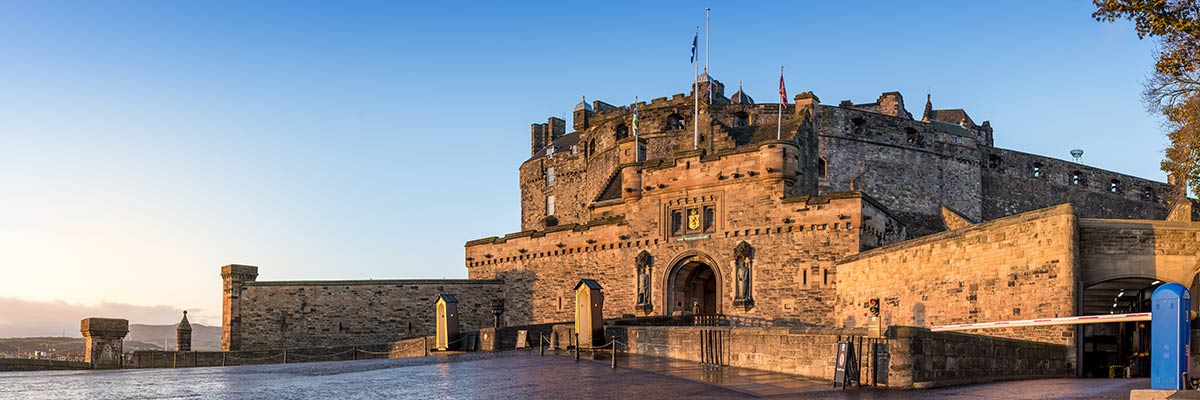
614	354
285	356
576	346
425	345
223	354
354	353
541	345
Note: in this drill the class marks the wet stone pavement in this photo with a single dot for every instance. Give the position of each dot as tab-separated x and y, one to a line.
498	376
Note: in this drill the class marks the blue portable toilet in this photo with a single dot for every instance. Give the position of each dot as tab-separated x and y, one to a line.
1170	336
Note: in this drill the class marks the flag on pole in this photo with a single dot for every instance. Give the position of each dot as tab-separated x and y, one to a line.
635	124
695	41
782	89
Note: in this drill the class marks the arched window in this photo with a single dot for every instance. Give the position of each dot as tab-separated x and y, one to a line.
1114	186
741	119
821	168
1037	170
621	132
1076	178
675	122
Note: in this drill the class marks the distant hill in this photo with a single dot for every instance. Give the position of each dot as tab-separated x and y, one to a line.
141	337
204	337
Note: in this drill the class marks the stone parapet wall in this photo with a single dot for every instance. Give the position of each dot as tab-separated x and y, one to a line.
24	364
275	315
1011	187
807	352
920	358
1019	267
414	347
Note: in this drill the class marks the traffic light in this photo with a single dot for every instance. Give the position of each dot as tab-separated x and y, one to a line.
873	306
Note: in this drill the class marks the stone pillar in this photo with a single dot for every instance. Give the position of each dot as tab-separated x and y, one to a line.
233	276
183	334
103	339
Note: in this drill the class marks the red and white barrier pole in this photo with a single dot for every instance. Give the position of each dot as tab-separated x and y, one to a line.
1086	319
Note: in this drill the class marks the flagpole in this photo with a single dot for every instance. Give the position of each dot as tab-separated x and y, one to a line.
707	71
637	144
696	100
779	125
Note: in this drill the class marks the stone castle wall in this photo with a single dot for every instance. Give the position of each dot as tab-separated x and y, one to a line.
1162	250
911	167
279	315
1019	267
800	238
1011	186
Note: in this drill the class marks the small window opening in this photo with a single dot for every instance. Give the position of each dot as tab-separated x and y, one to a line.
741	119
1037	170
1076	178
549	176
1148	193
621	132
1114	186
993	162
675	122
821	168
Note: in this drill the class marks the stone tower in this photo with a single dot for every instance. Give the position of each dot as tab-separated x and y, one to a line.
183	334
103	340
233	276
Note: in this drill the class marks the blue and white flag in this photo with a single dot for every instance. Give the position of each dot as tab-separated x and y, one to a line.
695	40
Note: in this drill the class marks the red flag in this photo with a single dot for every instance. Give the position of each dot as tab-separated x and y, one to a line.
782	89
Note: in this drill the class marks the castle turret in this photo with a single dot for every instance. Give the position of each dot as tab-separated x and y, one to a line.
629	151
581	115
808	144
233	276
183	334
928	115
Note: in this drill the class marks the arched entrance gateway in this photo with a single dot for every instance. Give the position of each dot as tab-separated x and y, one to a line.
693	279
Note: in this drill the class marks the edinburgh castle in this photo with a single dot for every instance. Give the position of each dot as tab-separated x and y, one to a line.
774	217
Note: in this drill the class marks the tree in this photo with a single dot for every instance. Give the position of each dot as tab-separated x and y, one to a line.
1174	88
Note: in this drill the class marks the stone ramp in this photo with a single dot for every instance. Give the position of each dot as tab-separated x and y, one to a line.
745	380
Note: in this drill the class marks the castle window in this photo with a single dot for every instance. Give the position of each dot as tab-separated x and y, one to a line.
1148	193
859	124
821	168
1114	186
1037	170
710	218
741	119
676	222
1076	178
549	176
591	149
621	132
911	136
675	122
993	162
550	205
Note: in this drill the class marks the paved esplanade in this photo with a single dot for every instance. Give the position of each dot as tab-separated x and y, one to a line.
475	376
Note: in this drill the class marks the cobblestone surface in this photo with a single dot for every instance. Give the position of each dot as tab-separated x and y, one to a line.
470	376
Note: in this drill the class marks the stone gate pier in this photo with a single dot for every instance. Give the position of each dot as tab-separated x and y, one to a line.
103	341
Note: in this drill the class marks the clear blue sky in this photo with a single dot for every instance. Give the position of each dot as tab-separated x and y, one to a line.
145	144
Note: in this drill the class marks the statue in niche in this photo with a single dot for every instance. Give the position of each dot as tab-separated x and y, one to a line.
644	260
743	256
